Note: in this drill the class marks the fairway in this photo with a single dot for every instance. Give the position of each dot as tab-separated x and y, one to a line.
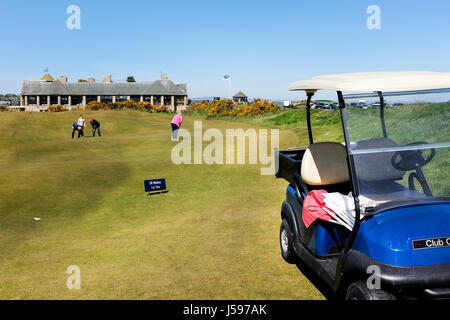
213	236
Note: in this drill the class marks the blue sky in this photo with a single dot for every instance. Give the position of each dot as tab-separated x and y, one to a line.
263	45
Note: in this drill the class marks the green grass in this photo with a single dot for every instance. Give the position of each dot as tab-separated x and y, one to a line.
326	124
213	236
408	124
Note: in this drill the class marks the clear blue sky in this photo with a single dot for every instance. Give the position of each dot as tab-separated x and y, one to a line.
263	45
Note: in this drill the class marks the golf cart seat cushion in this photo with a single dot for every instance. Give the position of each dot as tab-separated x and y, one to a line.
376	166
325	163
406	195
387	191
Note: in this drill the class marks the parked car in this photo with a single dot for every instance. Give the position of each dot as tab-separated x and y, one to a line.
334	105
377	105
320	105
288	104
363	105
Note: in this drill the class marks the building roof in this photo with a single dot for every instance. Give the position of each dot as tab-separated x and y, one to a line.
158	87
47	77
376	81
240	94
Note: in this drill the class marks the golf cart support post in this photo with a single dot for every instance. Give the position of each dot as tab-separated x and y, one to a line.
350	163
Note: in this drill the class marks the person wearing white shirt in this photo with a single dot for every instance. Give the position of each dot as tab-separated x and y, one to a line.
81	122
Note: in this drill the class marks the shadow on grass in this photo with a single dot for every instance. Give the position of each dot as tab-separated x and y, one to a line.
157	193
317	281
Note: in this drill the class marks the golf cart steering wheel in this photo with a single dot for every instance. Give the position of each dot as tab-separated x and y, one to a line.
411	159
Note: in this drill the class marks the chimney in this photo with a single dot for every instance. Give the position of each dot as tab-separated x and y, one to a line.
164	77
107	79
91	80
62	79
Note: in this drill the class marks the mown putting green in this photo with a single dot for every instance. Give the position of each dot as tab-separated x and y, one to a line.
213	236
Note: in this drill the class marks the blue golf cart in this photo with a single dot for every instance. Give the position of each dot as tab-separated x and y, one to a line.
391	240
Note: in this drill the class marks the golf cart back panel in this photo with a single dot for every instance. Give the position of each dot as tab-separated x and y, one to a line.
290	162
379	198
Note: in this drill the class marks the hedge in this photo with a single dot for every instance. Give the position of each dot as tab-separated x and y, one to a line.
228	108
129	104
57	108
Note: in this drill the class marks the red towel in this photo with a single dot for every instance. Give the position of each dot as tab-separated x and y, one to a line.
312	208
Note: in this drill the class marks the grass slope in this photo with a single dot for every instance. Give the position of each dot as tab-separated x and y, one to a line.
213	236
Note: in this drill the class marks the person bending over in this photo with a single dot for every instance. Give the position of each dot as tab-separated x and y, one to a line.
76	127
95	127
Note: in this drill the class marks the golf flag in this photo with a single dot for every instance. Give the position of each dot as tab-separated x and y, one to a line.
228	78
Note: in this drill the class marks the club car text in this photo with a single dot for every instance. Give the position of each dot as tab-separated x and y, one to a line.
431	243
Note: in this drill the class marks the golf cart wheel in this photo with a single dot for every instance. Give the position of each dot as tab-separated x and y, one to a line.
287	243
358	291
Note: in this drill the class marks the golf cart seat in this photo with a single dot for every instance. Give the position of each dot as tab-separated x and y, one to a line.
376	175
388	191
324	166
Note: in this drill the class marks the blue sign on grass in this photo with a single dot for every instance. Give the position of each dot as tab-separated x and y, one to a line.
155	185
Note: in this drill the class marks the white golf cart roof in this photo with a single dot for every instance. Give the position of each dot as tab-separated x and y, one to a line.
376	81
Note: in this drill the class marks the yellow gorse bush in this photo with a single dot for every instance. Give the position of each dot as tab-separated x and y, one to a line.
228	108
95	105
57	108
129	104
160	108
145	106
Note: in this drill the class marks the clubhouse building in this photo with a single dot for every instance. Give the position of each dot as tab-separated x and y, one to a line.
39	95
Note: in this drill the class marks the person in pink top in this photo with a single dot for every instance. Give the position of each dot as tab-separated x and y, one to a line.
176	124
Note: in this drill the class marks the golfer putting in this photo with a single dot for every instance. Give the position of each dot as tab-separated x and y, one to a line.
176	124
